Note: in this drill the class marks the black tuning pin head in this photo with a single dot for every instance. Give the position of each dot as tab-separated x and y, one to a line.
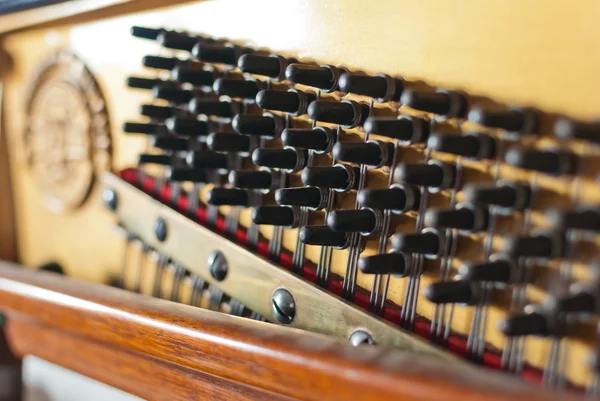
160	63
435	175
397	198
142	128
569	129
251	179
269	66
525	324
381	87
465	217
170	143
275	216
229	197
159	113
212	107
226	142
340	177
508	196
324	77
323	236
319	139
429	243
312	197
164	160
288	159
545	246
189	127
265	125
552	161
445	103
453	292
204	159
346	113
516	120
177	40
145	33
395	263
180	174
237	88
496	270
171	94
193	75
372	153
291	101
365	221
472	146
406	129
578	302
145	83
584	219
212	53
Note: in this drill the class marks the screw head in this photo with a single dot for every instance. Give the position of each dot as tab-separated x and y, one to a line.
109	196
217	265
284	306
160	229
360	337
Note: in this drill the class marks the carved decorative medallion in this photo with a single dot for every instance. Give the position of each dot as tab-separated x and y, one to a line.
67	137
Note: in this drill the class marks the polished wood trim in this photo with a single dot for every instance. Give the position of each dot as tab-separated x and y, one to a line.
267	357
8	235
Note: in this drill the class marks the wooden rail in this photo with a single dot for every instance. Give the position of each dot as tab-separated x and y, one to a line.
161	350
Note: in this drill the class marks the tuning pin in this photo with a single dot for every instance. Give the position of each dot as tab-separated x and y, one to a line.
583	301
319	139
288	159
465	217
430	243
145	33
396	263
469	145
187	126
177	40
508	196
171	94
212	53
381	86
407	129
398	198
365	221
164	160
518	120
525	324
346	113
252	179
170	143
285	216
269	66
324	77
435	174
146	83
204	159
157	112
211	107
551	161
231	197
226	142
142	128
291	101
193	75
453	292
340	177
585	219
161	63
497	270
237	88
266	125
546	246
323	236
445	103
180	174
311	197
374	154
569	129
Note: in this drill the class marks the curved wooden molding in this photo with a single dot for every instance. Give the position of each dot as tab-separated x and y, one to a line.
121	338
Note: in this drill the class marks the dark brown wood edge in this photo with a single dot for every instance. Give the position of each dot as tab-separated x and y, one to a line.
49	316
8	234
